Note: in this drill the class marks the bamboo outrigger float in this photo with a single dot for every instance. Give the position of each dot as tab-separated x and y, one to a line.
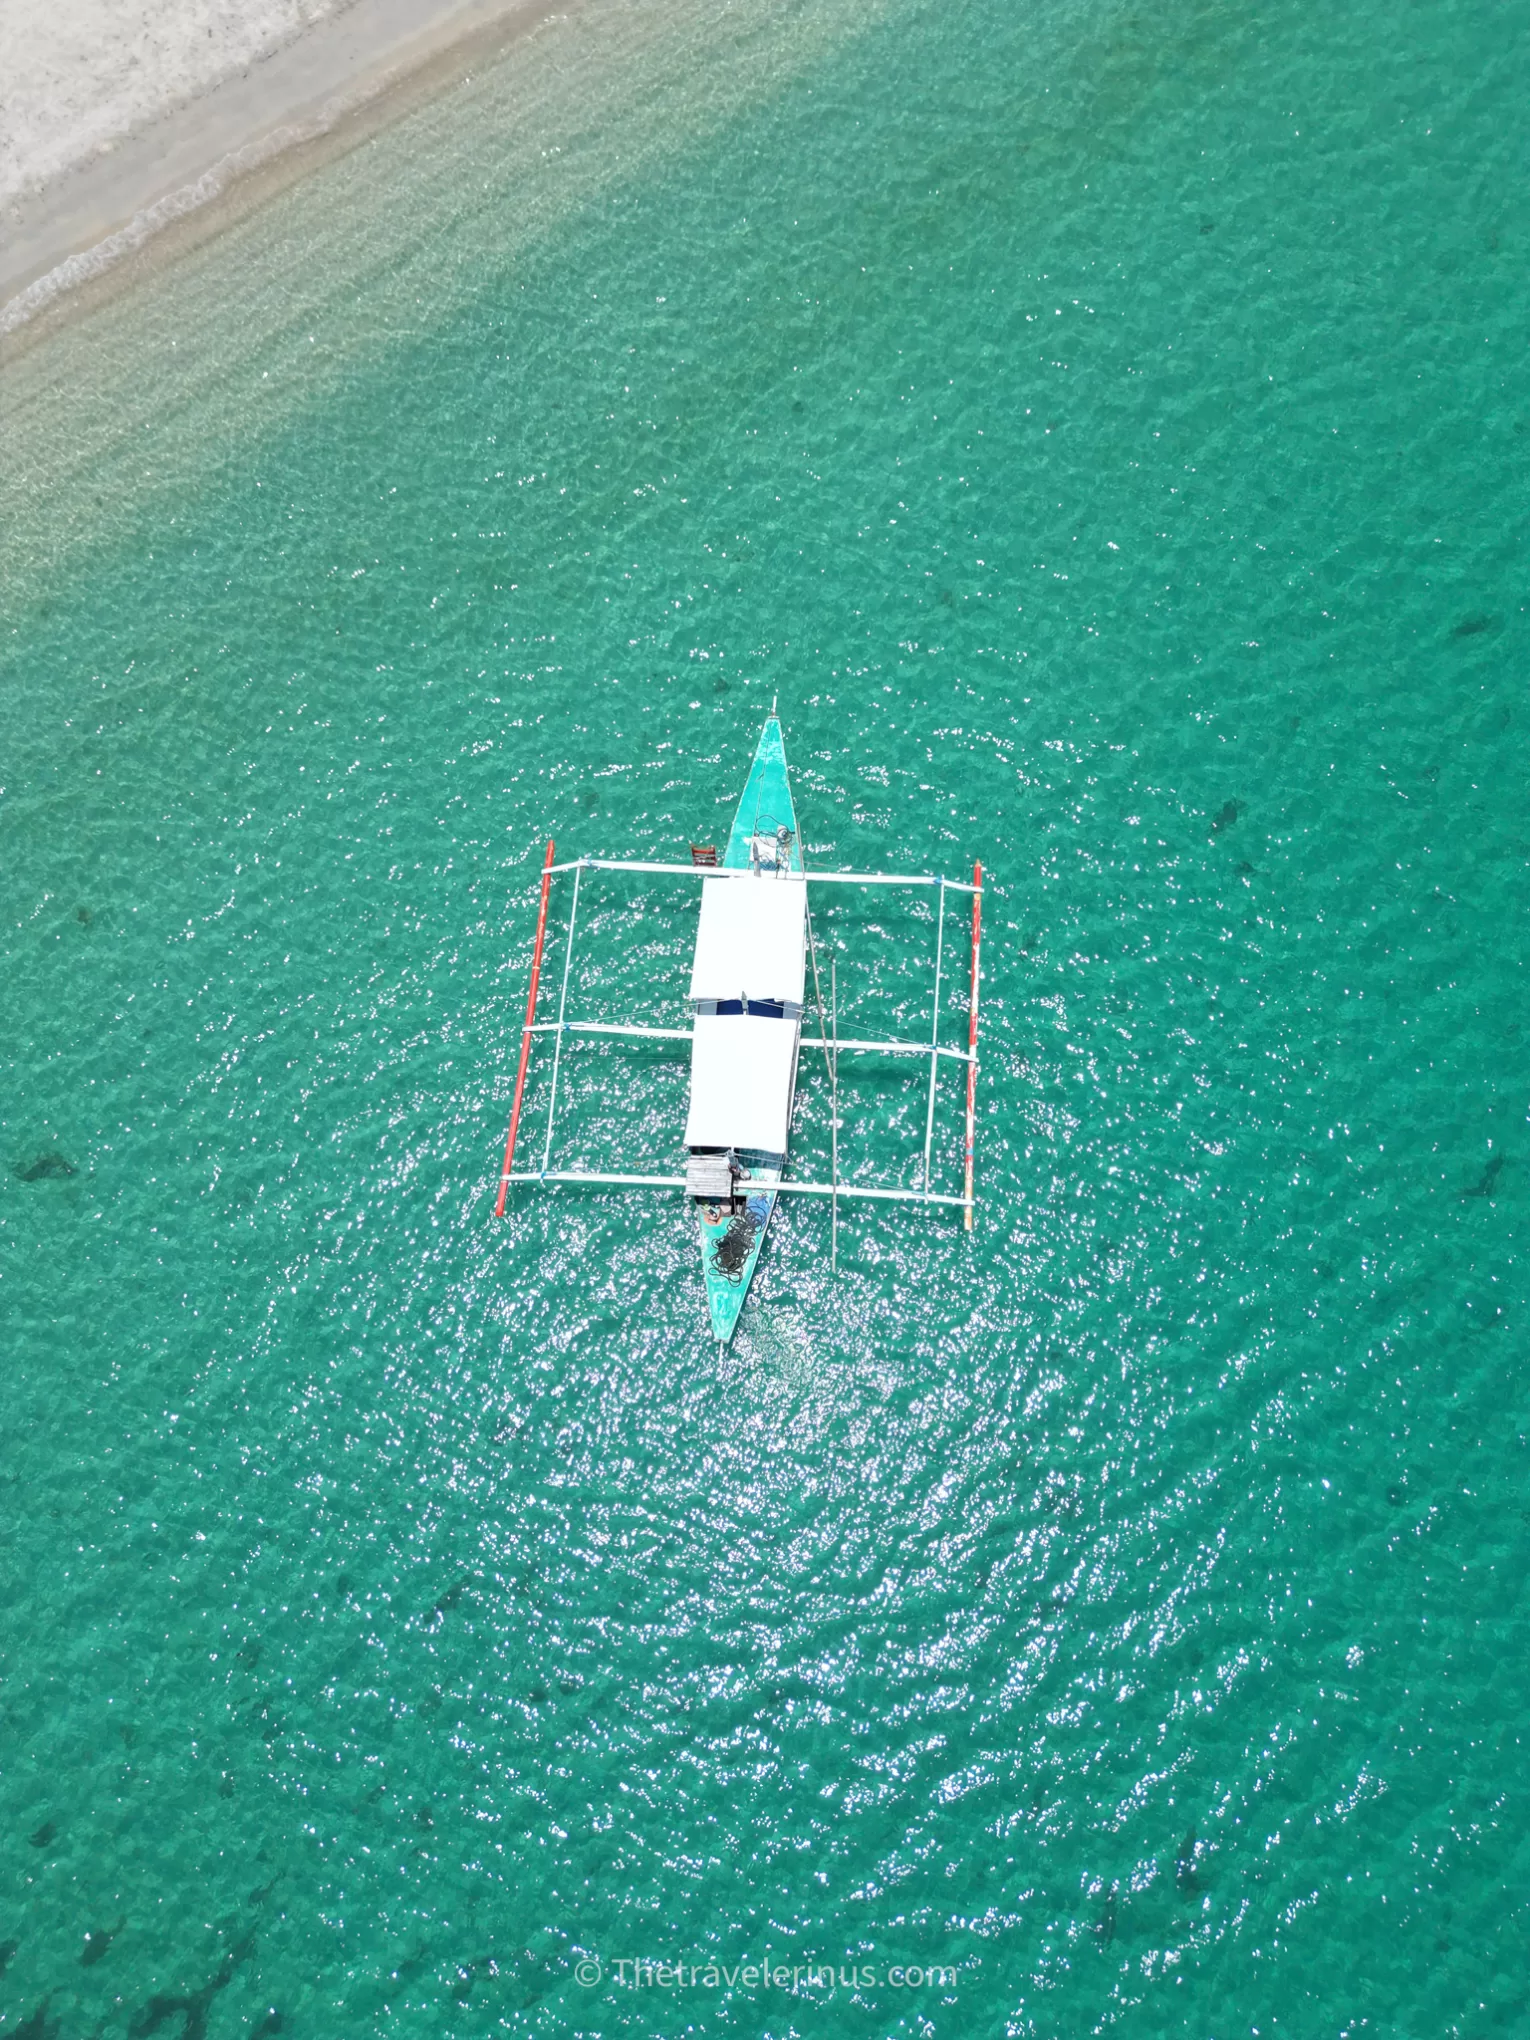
748	982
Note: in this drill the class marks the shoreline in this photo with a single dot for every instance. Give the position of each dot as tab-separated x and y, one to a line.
166	368
223	152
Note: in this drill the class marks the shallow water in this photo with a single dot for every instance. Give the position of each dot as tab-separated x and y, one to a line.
1120	1607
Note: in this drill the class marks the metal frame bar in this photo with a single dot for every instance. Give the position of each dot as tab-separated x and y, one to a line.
612	1027
726	871
881	878
910	1048
684	1034
972	1037
833	1189
622	1182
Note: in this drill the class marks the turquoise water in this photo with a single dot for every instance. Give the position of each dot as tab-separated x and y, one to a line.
1106	434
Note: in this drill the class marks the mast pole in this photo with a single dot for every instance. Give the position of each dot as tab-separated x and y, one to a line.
972	1033
929	1117
568	958
531	1011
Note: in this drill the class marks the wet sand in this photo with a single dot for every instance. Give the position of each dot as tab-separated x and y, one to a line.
176	176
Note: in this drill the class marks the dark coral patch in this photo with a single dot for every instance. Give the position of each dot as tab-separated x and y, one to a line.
1484	1185
39	2026
44	1168
97	1941
192	2009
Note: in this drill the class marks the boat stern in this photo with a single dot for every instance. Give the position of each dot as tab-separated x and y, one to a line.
731	1238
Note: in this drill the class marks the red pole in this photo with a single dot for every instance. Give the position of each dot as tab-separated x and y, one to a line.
972	1031
531	1014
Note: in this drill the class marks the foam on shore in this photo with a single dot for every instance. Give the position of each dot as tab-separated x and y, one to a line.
80	76
97	162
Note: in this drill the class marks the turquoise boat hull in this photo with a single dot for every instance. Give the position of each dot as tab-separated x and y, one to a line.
731	1239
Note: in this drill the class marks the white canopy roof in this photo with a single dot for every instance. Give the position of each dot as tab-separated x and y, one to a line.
750	944
741	1077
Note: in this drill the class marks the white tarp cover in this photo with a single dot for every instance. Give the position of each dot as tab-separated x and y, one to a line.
741	1081
751	940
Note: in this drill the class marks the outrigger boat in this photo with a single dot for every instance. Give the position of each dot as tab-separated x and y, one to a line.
748	979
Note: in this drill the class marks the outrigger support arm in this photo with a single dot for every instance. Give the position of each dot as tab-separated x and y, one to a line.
610	1027
746	1186
834	1189
710	871
526	1033
972	1031
684	1034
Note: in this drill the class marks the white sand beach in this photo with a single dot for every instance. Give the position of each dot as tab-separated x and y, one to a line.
78	76
118	119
